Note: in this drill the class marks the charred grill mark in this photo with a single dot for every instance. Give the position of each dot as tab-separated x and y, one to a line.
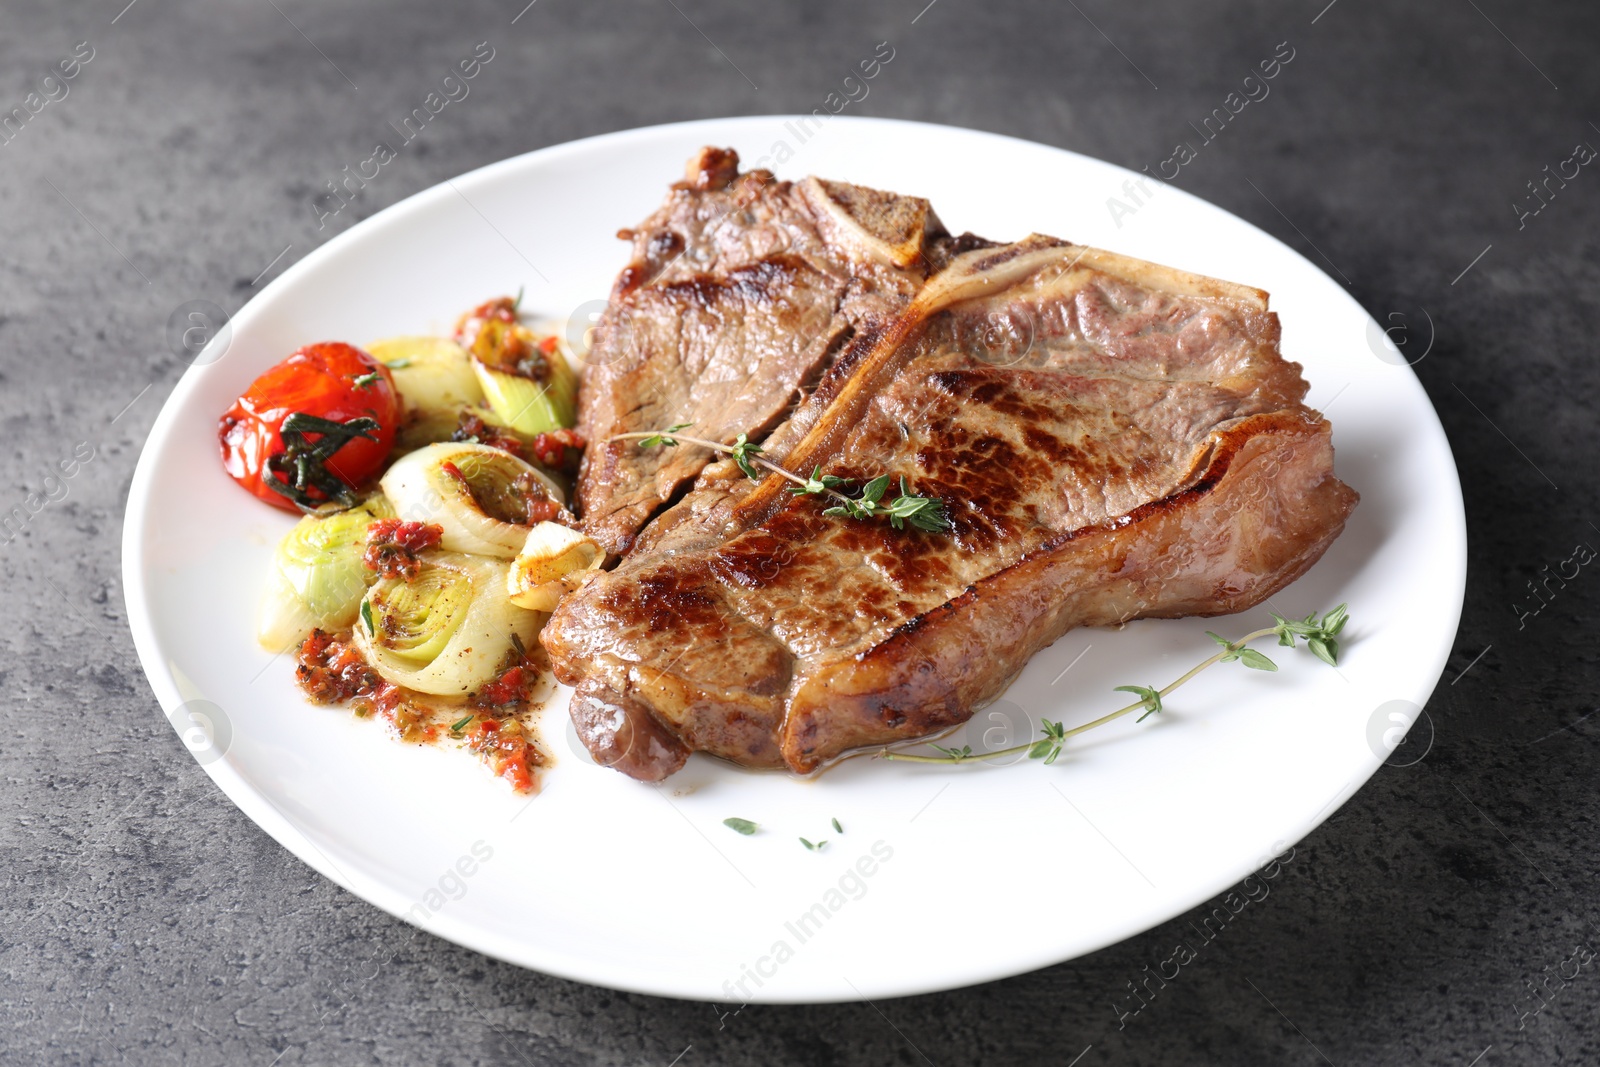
767	281
1053	448
987	392
663	245
981	472
762	282
753	561
799	523
666	601
654	253
631	278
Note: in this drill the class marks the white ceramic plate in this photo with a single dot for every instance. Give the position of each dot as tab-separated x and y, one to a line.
942	877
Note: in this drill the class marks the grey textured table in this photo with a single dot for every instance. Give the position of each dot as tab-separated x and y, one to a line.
1443	916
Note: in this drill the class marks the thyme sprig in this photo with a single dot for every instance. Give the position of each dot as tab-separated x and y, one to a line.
924	513
1320	635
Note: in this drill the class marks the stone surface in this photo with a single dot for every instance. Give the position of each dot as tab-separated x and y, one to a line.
145	920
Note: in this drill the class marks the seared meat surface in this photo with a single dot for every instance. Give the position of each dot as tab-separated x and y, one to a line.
1113	440
741	290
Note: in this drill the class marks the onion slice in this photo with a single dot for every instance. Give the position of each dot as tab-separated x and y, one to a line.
554	560
470	491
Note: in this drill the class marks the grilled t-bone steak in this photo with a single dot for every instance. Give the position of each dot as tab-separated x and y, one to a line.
741	290
1113	440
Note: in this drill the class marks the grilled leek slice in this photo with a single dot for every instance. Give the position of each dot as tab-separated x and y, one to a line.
317	578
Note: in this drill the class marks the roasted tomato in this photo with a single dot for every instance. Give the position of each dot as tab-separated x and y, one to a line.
341	411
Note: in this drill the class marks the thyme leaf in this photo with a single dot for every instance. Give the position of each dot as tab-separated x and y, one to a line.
664	438
818	483
1255	660
1150	698
742	452
1050	745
